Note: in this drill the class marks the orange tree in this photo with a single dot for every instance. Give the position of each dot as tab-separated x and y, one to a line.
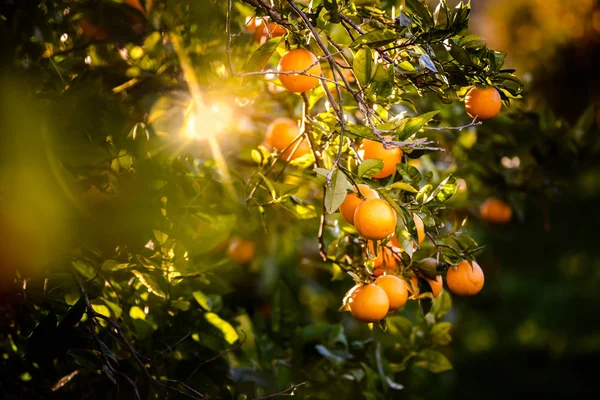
173	186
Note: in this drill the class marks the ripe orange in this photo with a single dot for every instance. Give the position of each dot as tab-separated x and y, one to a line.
420	228
375	219
495	211
137	4
464	280
347	72
483	103
241	250
301	61
395	288
352	201
281	133
91	30
384	261
269	30
370	149
436	284
369	303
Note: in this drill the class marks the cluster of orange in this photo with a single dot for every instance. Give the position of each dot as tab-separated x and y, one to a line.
374	218
372	302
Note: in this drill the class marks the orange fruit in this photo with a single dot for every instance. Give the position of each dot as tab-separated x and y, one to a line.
375	219
352	201
465	280
395	288
241	250
91	30
483	103
420	228
269	30
495	211
384	261
436	284
138	4
280	135
347	72
369	303
301	61
370	149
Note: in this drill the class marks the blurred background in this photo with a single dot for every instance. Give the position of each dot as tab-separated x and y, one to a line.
535	329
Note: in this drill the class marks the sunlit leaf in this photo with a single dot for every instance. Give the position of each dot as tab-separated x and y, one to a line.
376	38
370	167
149	282
261	56
137	313
364	65
336	192
229	333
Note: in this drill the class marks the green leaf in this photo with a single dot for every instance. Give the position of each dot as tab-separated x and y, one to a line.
444	191
413	125
440	334
460	54
161	237
441	305
150	283
228	331
471	41
440	15
261	56
136	312
74	315
375	38
84	268
370	167
360	131
409	174
403	186
364	65
336	192
421	11
205	301
399	325
433	361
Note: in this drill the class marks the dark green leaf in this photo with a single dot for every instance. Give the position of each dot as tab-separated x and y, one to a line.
421	11
433	361
261	56
441	305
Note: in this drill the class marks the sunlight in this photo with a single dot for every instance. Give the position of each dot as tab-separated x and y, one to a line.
208	122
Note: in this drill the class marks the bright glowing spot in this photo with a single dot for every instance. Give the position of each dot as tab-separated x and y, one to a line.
327	105
88	60
270	75
66	11
208	122
64	37
510	162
